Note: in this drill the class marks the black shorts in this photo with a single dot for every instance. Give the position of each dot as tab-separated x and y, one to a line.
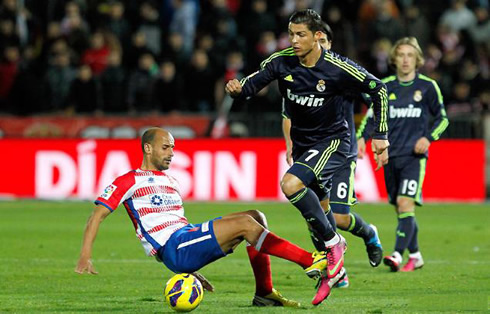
343	194
404	176
316	165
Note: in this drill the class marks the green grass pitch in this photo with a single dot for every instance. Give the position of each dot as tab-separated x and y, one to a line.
40	243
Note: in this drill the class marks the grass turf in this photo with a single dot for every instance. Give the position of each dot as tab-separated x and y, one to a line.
40	243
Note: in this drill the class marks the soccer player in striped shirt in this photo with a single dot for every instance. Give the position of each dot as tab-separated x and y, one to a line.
414	101
313	82
154	205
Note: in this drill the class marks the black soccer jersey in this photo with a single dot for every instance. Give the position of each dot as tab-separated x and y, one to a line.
348	104
412	106
314	96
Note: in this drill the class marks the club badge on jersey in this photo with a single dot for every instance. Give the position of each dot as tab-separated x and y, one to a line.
320	86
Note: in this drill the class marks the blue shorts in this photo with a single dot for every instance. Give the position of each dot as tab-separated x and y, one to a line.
404	176
191	248
343	195
316	165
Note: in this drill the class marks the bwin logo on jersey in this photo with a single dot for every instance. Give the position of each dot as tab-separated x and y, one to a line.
408	112
305	100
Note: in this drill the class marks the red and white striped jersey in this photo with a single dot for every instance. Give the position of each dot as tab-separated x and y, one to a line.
153	202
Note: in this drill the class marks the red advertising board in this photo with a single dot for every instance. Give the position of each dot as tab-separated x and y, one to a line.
233	169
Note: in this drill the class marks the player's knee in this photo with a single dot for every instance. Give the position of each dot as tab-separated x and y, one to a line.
343	221
405	205
244	223
258	216
290	184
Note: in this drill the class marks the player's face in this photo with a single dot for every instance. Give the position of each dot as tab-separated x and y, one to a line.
162	150
406	59
302	39
324	42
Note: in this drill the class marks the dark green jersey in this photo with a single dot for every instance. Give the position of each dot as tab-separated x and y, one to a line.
314	96
416	109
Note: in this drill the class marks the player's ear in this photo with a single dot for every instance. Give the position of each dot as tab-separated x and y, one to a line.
148	148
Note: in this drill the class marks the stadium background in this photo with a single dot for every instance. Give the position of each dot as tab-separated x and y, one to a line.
109	69
80	80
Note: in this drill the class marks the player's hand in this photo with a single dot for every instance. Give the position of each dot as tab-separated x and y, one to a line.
289	157
422	145
233	87
85	266
361	148
381	159
379	146
206	284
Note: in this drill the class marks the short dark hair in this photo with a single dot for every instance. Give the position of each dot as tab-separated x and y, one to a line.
327	30
148	137
309	17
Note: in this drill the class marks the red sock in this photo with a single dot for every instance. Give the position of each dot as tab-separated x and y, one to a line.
261	265
271	244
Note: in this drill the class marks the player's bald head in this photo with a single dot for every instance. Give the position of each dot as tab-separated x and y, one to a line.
151	134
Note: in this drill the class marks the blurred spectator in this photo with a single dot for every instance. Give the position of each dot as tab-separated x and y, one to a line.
8	37
480	31
135	50
201	79
29	92
168	88
458	16
379	58
416	25
116	23
96	56
141	84
9	66
59	76
255	22
460	102
113	85
54	35
175	51
184	22
343	31
150	27
84	94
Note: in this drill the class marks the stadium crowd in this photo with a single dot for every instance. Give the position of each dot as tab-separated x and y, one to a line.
121	56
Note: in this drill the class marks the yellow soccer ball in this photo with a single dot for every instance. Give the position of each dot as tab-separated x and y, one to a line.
183	292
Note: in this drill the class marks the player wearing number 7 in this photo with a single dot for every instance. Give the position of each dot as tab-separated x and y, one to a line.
313	82
342	196
414	100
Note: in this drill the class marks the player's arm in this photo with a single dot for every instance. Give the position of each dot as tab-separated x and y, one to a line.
357	80
286	131
252	84
84	263
363	133
441	122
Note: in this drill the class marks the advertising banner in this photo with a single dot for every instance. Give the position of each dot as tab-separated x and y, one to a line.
217	170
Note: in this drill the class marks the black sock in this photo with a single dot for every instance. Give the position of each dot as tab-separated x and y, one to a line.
404	231
413	246
316	239
359	227
331	219
309	205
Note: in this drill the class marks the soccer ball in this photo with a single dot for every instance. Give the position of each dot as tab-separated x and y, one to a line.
183	292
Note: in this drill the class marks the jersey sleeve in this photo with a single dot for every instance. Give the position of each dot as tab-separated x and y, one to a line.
366	127
115	193
253	83
436	108
356	79
284	111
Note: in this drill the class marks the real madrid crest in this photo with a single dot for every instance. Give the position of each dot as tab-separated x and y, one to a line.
417	96
320	86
